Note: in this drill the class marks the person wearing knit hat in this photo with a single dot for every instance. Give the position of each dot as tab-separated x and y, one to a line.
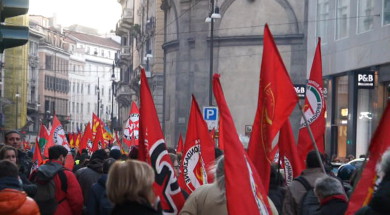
115	153
90	174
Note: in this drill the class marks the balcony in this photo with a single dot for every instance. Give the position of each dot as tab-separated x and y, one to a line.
123	26
124	94
125	55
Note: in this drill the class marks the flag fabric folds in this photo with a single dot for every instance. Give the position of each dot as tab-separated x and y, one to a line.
165	185
314	108
277	99
131	130
245	193
198	154
292	163
364	189
43	137
87	139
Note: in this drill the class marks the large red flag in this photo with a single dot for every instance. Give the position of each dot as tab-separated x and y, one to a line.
57	136
37	156
165	186
180	145
96	121
245	193
71	139
379	144
131	130
86	140
277	99
98	141
314	108
198	155
293	164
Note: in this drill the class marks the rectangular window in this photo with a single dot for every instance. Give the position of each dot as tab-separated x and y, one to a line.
342	115
81	108
343	13
77	110
88	107
73	108
386	12
322	19
365	15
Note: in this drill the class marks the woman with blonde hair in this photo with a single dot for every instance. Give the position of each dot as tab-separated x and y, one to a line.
130	188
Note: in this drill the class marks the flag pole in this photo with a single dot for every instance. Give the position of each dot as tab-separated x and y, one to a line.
312	138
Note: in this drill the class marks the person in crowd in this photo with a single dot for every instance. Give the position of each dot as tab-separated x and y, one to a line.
331	196
210	198
13	201
379	204
81	161
90	174
14	139
98	202
175	163
107	150
130	188
133	154
10	153
296	190
70	201
276	188
344	173
116	154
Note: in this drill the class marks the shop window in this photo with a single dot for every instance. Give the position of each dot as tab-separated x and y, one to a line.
342	115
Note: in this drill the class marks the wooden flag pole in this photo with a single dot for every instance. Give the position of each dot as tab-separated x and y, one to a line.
312	138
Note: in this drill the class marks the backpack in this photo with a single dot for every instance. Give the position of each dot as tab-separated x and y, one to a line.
46	196
309	202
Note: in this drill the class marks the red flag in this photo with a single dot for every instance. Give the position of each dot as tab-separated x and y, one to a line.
198	155
180	145
379	144
293	164
96	121
37	156
277	99
98	142
131	130
165	186
220	135
86	140
314	108
245	193
57	137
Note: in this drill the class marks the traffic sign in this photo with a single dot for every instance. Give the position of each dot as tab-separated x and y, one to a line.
210	115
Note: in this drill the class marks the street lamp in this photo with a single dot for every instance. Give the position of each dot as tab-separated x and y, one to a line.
98	99
112	97
214	14
17	95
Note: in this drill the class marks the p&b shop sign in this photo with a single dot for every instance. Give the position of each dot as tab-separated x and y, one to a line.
365	80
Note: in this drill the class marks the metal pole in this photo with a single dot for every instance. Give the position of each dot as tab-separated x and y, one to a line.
312	138
17	111
112	98
98	101
211	55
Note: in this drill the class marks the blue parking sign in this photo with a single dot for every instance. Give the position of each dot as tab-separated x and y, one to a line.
210	115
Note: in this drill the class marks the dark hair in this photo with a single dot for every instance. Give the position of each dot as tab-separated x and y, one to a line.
312	160
171	150
133	154
11	132
276	178
116	154
5	149
173	157
107	164
56	151
99	154
8	169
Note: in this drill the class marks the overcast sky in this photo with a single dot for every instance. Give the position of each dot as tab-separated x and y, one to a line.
99	14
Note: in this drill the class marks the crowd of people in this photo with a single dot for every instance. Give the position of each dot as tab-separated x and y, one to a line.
109	182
